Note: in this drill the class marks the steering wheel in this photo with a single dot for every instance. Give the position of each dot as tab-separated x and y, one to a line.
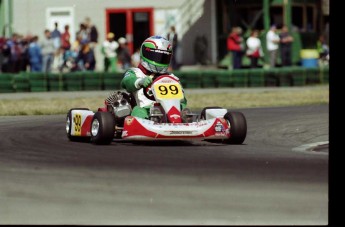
148	93
148	90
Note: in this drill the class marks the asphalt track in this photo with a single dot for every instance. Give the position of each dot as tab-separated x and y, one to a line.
275	178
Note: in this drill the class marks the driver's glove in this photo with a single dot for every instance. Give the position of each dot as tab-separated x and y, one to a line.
143	82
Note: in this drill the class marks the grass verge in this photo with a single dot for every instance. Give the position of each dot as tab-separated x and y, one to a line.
246	99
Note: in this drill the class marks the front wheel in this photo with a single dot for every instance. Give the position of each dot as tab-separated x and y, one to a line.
102	128
238	127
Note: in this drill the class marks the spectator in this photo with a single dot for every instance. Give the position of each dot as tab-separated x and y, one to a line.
254	48
24	54
2	57
85	60
35	55
15	53
285	46
172	37
109	48
323	49
135	58
236	47
70	55
48	50
5	55
272	45
92	33
82	33
77	44
65	47
56	36
65	39
124	56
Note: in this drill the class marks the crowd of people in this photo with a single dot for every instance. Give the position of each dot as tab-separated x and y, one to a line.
57	51
278	43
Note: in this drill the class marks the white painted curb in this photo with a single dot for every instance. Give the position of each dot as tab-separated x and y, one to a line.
307	147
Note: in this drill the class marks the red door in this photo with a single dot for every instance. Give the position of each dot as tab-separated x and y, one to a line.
135	24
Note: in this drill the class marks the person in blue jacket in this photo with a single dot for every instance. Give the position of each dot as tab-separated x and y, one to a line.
35	55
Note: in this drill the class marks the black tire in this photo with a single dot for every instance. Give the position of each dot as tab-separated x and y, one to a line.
106	128
238	127
69	126
203	112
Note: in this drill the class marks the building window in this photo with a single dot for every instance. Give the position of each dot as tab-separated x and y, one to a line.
304	17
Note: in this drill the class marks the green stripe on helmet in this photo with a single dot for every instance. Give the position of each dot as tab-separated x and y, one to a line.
149	45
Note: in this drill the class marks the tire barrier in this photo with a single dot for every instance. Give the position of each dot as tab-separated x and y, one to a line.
209	81
73	81
55	82
92	81
37	81
190	79
324	75
112	81
240	77
256	78
6	83
220	78
21	83
224	79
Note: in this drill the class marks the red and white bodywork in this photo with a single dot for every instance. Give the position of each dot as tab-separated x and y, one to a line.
142	129
81	122
214	123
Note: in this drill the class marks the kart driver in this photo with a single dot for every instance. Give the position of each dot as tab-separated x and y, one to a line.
152	64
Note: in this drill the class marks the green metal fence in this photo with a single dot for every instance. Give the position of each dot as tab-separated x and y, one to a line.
79	81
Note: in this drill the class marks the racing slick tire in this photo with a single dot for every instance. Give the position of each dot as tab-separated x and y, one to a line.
238	127
69	127
203	111
102	128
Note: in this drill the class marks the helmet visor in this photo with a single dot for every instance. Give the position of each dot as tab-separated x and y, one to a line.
156	55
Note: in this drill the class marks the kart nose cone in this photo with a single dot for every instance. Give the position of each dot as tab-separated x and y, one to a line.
95	127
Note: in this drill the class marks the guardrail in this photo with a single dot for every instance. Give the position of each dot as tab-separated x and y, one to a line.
78	81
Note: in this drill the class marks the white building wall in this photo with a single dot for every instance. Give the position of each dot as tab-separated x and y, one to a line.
192	18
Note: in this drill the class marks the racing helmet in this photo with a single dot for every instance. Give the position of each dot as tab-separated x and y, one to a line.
155	53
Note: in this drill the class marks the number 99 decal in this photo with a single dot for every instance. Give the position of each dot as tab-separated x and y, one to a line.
77	124
166	91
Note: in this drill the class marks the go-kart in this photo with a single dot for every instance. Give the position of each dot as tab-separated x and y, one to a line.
166	121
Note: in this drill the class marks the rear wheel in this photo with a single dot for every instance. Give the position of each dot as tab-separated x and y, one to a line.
69	127
102	128
238	127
